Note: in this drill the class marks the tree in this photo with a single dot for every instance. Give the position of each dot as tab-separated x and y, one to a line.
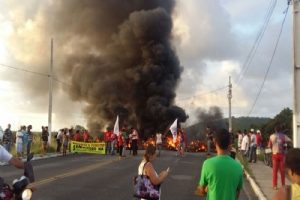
284	120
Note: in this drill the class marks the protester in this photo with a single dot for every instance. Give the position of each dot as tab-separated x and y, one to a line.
19	142
7	138
158	142
85	136
209	139
245	144
221	176
25	140
121	141
276	143
65	143
107	140
253	146
240	139
126	140
77	136
45	135
30	139
59	139
180	143
113	143
183	142
292	163
258	139
146	167
134	138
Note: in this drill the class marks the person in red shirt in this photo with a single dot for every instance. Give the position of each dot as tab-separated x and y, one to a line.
77	136
107	140
121	141
85	136
258	139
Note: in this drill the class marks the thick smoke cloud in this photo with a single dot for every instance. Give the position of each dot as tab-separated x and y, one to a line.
213	117
120	60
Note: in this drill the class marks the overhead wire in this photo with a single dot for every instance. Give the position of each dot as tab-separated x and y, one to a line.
257	41
203	94
24	70
270	63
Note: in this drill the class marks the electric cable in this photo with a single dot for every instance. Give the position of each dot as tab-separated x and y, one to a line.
270	64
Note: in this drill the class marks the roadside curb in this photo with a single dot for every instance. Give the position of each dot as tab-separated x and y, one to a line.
37	157
255	187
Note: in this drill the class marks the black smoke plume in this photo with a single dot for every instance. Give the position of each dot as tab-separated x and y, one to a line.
213	117
122	61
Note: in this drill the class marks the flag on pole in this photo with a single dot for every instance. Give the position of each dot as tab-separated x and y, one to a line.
173	129
116	126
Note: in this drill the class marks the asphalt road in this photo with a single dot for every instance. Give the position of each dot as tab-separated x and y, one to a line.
79	177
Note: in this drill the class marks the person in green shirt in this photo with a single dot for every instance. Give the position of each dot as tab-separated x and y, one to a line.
221	176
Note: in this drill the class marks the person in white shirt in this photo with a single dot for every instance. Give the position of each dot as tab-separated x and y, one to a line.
158	142
19	142
6	157
253	146
240	139
245	145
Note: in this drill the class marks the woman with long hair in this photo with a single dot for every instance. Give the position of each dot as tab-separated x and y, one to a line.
146	167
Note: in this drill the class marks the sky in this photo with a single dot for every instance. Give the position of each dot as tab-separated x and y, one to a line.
212	40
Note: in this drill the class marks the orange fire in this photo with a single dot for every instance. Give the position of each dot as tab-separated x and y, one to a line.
149	141
170	144
196	146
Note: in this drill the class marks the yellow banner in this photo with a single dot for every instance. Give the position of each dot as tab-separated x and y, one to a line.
84	147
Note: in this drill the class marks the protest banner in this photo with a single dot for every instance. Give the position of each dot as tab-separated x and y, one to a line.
85	147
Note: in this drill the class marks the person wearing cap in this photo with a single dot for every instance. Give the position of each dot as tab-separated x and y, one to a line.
258	139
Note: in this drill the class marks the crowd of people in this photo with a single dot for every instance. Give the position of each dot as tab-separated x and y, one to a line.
23	140
249	144
127	139
221	176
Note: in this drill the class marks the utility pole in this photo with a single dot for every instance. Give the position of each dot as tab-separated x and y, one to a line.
296	72
229	101
50	93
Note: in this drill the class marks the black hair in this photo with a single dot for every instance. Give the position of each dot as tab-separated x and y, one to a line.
292	160
223	138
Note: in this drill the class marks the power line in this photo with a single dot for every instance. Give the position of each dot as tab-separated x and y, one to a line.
270	63
35	73
203	94
257	41
24	70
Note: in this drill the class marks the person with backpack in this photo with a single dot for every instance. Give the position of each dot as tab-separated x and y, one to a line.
276	143
292	163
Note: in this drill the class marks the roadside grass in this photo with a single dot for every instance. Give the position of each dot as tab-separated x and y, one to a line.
245	163
36	146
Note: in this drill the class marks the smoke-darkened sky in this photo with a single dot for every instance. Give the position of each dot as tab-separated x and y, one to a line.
139	58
